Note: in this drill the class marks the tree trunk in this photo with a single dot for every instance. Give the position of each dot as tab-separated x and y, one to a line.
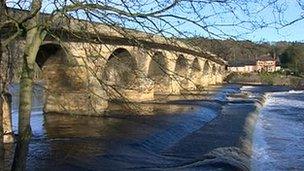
34	39
1	128
1	113
2	8
1	140
8	136
24	128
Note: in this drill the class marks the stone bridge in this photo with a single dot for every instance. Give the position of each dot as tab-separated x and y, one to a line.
84	65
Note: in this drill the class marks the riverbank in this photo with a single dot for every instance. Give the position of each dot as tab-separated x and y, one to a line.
275	78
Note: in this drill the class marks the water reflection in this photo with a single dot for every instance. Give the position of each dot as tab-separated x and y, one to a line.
78	142
123	140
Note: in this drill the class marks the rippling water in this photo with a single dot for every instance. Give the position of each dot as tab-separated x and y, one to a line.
212	132
279	133
126	141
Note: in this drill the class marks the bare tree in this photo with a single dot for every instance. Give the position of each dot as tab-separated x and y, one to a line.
1	99
164	18
1	125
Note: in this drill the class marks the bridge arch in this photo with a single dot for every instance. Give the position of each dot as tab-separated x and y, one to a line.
214	69
67	84
195	66
223	69
52	58
120	69
219	69
50	50
206	68
196	71
181	66
158	67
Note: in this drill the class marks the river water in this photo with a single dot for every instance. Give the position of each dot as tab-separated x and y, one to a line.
175	135
279	133
124	141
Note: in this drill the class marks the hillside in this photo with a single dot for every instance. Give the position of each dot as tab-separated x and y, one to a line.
291	54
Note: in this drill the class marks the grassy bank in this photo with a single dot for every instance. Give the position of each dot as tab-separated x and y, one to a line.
274	78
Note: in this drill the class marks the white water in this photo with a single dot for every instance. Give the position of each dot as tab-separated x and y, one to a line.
278	140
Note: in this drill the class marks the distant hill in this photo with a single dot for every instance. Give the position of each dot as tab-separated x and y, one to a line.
246	52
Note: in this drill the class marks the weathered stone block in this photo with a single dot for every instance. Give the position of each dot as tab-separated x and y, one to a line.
81	103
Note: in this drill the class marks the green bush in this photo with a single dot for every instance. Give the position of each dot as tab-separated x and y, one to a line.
267	78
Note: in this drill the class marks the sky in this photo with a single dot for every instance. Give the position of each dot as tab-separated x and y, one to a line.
291	8
271	33
293	32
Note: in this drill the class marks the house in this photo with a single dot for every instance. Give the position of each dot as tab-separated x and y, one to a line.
244	67
267	63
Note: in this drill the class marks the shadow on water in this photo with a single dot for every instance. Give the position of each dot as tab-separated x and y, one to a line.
122	141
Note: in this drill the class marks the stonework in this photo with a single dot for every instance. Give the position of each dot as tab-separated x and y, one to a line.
81	77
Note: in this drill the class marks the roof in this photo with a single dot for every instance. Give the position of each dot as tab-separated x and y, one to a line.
242	63
267	57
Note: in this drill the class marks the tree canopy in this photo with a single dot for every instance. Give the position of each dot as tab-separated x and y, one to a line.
293	58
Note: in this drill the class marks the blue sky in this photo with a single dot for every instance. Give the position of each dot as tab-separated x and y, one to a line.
291	8
273	32
294	32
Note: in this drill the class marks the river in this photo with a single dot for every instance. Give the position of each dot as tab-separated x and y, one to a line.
279	136
212	132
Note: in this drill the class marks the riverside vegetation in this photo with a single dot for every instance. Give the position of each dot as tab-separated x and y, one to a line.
237	52
275	78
